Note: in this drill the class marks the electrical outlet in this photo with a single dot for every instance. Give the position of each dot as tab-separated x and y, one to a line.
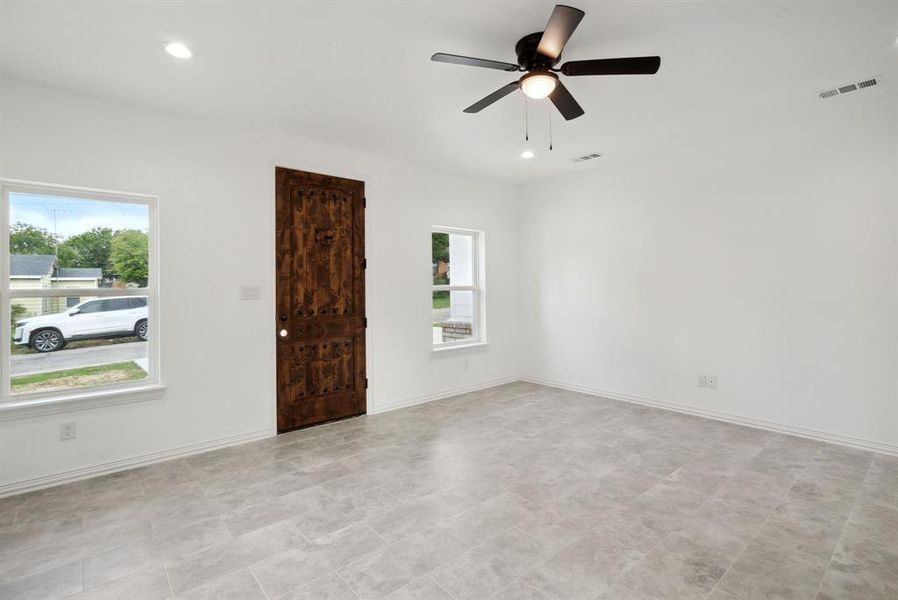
702	381
712	382
67	431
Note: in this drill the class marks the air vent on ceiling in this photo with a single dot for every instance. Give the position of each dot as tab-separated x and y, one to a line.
592	156
848	87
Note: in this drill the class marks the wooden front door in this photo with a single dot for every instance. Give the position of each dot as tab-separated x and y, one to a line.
320	316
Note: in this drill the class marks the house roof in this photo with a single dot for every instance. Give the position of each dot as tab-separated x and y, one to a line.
80	272
31	265
41	265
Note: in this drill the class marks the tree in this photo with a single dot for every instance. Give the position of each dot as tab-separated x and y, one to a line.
89	249
128	256
440	253
16	312
28	239
440	247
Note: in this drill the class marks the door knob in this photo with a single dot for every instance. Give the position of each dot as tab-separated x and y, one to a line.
283	333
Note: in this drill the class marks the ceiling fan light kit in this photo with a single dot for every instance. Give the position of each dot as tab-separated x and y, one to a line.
539	53
538	84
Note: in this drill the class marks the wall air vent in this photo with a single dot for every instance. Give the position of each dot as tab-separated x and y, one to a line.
592	156
848	87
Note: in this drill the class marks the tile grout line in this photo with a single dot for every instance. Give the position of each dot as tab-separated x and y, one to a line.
248	567
842	531
171	592
258	583
748	543
435	582
516	526
541	561
346	583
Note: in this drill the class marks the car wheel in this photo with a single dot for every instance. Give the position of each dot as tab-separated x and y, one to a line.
142	330
47	340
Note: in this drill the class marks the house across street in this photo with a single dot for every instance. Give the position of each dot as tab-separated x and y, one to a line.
40	271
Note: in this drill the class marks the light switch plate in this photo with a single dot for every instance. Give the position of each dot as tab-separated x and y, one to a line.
250	292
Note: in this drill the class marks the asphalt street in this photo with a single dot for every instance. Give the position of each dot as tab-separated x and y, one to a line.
23	364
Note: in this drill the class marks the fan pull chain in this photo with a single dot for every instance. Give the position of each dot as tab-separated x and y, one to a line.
550	128
526	121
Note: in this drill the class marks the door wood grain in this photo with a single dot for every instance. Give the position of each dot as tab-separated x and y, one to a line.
320	328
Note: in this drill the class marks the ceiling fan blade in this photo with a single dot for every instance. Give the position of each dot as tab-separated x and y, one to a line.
495	96
636	65
565	103
561	26
455	59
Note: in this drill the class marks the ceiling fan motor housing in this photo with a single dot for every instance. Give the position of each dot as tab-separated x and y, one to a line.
529	58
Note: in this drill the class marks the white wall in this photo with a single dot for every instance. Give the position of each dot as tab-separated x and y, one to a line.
761	247
216	190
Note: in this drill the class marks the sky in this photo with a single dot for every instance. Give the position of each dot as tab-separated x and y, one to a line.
74	215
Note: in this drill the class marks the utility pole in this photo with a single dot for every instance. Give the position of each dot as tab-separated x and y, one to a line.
53	212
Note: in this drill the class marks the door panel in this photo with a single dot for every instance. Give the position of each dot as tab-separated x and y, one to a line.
114	316
87	321
320	298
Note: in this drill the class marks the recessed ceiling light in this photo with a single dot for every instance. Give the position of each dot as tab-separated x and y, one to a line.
178	50
527	154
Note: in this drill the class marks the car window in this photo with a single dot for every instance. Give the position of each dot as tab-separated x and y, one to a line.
137	302
116	304
91	307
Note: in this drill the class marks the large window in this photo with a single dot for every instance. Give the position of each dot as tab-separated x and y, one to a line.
458	287
79	293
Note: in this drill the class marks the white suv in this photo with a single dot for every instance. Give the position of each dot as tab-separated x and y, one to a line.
101	318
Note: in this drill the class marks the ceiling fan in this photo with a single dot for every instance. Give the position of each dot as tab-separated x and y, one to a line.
539	52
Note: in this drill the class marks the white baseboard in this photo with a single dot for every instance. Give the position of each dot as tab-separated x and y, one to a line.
812	434
37	483
440	395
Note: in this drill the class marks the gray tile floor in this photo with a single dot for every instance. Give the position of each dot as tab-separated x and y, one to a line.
519	492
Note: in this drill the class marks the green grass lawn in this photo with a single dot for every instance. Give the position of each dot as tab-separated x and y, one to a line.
122	371
441	299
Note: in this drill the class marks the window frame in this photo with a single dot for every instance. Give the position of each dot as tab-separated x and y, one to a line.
151	387
477	287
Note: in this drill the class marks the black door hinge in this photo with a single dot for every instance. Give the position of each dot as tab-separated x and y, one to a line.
364	263
365	322
366	383
364	202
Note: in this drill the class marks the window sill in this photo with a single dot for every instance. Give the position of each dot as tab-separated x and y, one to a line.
458	347
24	409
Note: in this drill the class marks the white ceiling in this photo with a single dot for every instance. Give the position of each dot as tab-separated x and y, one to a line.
358	73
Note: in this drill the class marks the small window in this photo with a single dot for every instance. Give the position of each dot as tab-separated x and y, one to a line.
78	271
117	304
458	287
91	307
